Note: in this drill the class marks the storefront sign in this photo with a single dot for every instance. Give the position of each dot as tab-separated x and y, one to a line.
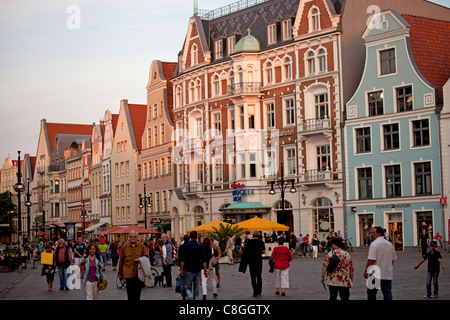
237	194
392	206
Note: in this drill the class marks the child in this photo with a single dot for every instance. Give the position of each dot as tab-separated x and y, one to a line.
434	258
49	269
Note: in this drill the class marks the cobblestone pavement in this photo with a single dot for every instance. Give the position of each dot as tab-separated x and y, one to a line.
409	284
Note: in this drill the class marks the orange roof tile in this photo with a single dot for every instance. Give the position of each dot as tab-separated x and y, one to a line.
66	128
138	115
430	45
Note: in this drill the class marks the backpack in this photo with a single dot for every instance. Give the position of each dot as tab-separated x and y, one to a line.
179	287
334	263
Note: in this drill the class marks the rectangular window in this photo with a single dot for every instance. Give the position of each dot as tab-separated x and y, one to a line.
231	43
289	112
272	34
232	120
363	143
243	165
287	29
157	202
321	102
271	167
218	170
217	125
323	158
391	136
376	103
169	165
387	61
291	162
149	137
393	181
252	158
270	111
242	117
421	133
251	117
219	49
404	99
155	132
423	178
162	133
365	183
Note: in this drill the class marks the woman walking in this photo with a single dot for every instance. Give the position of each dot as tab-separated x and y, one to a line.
114	254
340	278
49	269
315	245
209	253
91	271
281	256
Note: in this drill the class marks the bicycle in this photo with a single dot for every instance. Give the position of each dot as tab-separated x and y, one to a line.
348	245
150	281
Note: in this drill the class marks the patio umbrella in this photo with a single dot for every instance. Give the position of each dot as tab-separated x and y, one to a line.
208	227
135	228
113	230
258	224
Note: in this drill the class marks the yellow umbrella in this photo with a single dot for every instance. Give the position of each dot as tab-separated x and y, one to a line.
258	224
208	227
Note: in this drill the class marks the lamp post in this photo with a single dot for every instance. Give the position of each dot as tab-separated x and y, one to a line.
145	202
28	204
19	188
282	185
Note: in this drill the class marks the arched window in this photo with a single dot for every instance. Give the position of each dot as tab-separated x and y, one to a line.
198	85
269	72
178	97
323	218
194	55
191	91
314	19
311	63
322	57
250	74
287	67
216	85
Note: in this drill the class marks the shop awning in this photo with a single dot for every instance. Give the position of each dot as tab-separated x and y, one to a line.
246	207
95	226
159	225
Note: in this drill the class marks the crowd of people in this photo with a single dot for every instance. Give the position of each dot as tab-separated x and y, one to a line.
197	260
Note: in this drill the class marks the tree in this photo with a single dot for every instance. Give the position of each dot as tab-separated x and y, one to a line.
5	207
221	235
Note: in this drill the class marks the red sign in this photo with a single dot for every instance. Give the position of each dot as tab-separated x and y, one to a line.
237	185
443	201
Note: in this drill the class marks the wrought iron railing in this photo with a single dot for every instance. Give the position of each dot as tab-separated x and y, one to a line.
315	125
244	88
228	9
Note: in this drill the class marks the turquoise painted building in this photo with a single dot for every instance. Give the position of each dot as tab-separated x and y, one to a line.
391	134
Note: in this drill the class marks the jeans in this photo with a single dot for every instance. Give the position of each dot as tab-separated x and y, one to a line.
432	277
62	276
134	287
192	284
386	288
104	257
255	276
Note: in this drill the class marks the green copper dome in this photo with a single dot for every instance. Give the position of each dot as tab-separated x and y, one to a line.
247	43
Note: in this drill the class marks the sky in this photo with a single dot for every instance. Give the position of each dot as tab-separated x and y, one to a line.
68	61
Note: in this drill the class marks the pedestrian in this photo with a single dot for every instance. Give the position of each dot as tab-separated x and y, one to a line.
230	249
91	271
151	252
167	259
434	258
382	255
157	254
252	257
103	248
305	242
210	252
340	279
423	238
184	241
281	257
293	243
215	244
329	237
114	253
315	245
128	265
63	259
49	269
79	249
193	260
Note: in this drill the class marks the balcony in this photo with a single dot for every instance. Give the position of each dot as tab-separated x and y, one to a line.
314	176
57	167
314	126
195	186
244	88
193	144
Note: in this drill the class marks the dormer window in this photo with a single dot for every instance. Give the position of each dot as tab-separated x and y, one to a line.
287	29
314	19
231	43
219	49
272	34
194	55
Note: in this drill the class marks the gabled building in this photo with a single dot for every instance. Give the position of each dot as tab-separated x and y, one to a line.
124	154
155	180
392	132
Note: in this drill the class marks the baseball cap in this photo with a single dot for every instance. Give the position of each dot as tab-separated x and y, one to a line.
433	243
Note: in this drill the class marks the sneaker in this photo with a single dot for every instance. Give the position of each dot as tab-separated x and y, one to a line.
434	295
427	296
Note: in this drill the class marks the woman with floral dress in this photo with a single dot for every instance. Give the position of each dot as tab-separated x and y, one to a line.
340	280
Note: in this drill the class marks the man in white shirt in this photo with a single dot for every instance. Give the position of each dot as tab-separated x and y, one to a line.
380	265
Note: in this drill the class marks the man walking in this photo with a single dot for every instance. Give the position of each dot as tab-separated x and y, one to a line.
252	256
434	258
193	260
128	265
79	249
63	259
380	260
167	259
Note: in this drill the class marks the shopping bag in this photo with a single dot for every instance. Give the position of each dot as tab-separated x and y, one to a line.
46	258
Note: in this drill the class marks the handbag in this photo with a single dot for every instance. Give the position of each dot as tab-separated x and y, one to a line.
101	283
213	261
46	258
271	265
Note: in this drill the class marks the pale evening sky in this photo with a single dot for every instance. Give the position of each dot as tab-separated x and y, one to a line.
50	71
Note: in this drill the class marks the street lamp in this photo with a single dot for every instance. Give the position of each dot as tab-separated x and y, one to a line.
282	185
28	204
145	202
19	188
